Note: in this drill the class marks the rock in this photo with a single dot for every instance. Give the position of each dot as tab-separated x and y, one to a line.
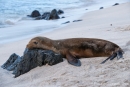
77	20
46	15
63	17
31	59
60	12
116	4
66	22
35	13
39	18
101	7
49	15
54	15
10	61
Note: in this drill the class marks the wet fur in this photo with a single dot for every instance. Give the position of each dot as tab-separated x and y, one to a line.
74	48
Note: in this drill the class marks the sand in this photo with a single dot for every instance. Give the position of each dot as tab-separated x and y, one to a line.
112	24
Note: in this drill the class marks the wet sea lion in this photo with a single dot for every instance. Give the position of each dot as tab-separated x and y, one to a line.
74	48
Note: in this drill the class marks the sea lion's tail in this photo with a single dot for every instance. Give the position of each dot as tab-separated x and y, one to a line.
119	54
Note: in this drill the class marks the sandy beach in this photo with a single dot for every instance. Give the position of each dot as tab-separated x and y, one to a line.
111	24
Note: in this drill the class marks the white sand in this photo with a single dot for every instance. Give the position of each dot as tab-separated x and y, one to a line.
95	24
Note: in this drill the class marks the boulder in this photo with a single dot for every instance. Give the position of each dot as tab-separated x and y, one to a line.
60	12
35	13
54	15
11	62
45	16
31	59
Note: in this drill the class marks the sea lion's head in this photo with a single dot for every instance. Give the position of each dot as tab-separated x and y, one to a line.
39	43
34	43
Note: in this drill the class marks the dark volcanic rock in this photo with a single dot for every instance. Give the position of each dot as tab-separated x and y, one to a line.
10	62
39	18
31	59
101	7
35	13
63	17
60	12
77	20
66	22
116	4
54	15
45	16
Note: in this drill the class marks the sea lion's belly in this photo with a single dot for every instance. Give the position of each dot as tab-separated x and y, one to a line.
86	53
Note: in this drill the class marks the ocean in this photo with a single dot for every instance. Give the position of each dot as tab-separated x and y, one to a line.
15	10
15	25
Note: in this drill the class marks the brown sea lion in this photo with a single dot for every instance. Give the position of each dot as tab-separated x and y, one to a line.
74	48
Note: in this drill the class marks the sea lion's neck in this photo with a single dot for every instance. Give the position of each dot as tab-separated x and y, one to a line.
49	44
55	46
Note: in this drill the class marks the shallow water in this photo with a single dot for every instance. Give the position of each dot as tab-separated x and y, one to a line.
14	10
15	25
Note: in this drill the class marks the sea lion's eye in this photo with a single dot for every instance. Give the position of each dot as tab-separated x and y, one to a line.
35	42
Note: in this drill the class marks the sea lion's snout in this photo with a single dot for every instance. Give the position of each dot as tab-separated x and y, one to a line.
33	43
29	47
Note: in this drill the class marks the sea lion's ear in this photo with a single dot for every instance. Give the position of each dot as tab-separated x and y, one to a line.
72	60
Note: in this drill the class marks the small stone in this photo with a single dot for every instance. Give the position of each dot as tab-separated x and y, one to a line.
101	8
77	20
63	17
66	22
116	4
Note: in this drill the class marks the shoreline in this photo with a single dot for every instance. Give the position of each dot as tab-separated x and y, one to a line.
29	28
95	24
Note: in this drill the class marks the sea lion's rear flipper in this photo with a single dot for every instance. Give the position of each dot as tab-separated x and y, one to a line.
120	54
110	57
72	60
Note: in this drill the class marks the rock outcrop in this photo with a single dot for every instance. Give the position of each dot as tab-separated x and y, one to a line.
35	13
54	14
31	59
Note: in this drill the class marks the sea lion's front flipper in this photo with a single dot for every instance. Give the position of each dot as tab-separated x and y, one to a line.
72	60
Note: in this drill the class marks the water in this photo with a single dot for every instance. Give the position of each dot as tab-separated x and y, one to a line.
12	11
15	9
15	25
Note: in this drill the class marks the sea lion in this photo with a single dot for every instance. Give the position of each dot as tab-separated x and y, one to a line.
74	48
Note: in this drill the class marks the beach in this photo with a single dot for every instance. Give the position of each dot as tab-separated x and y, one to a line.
111	24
